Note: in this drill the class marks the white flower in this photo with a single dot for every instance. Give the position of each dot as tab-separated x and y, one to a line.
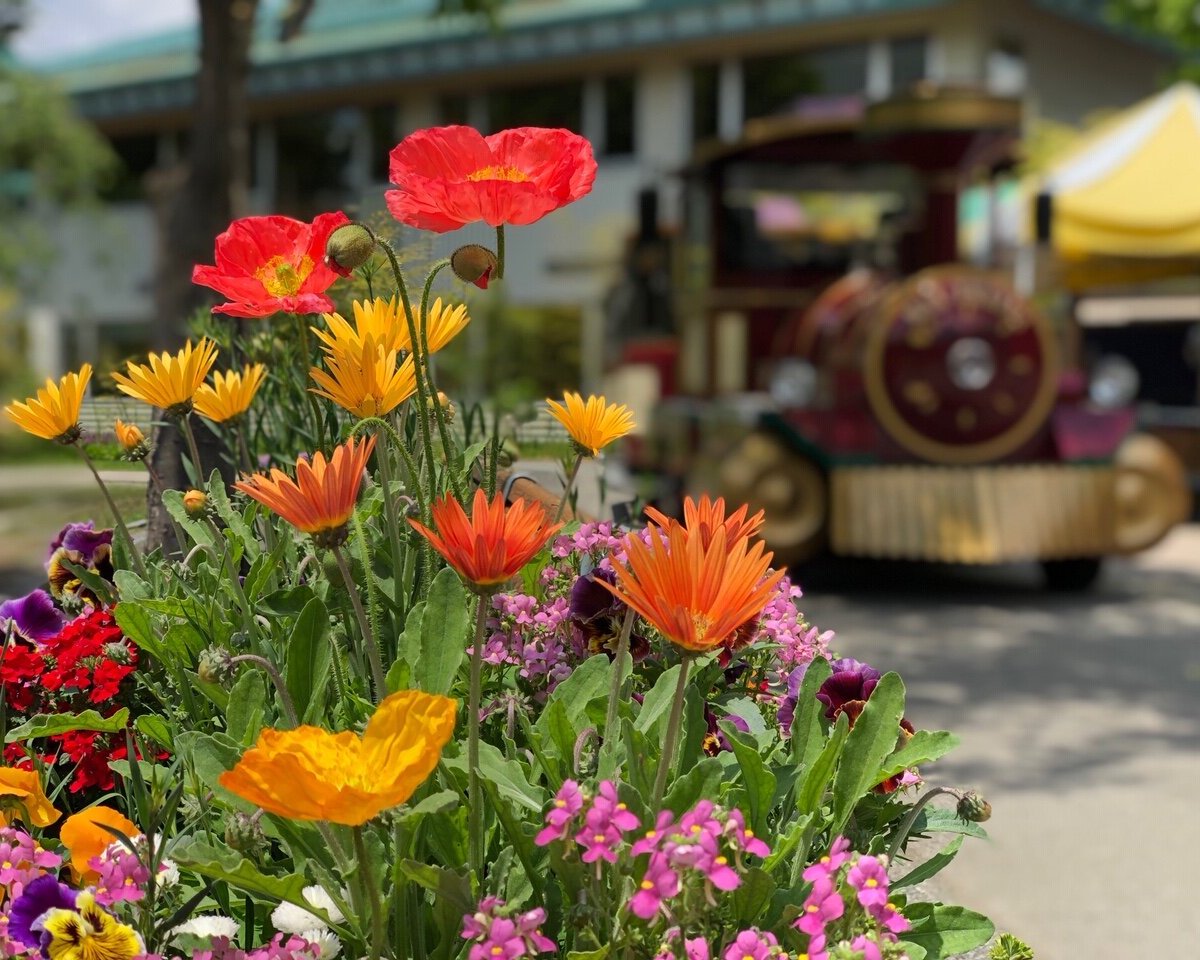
328	945
289	918
168	874
210	926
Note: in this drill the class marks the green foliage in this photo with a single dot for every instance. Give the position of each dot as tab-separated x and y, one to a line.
1008	947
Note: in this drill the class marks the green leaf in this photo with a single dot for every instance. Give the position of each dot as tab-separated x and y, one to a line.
587	682
446	885
247	708
508	777
130	586
520	841
751	898
872	738
703	780
138	625
933	865
657	704
945	821
199	532
210	755
444	626
408	644
308	661
943	930
48	724
807	736
924	746
590	954
154	727
236	870
758	781
819	773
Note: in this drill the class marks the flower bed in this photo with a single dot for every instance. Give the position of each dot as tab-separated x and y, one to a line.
363	706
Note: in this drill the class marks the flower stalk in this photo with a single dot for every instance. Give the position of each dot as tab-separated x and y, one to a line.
566	494
671	743
185	428
474	789
135	555
366	877
272	671
364	625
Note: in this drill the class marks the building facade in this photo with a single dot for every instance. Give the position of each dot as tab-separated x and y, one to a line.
644	80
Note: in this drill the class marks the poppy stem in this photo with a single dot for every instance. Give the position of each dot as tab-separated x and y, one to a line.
364	625
474	790
389	506
499	273
272	671
614	693
438	414
566	494
667	761
901	833
185	428
134	554
367	876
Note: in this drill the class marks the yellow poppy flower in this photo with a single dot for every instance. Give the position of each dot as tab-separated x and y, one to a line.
54	413
230	393
379	319
22	797
311	774
365	379
444	322
169	382
89	933
592	424
84	836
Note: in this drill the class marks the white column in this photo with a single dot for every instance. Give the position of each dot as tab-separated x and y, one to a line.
663	128
44	335
730	100
593	120
358	163
879	69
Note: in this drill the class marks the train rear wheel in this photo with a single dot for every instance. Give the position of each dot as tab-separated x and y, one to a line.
1071	576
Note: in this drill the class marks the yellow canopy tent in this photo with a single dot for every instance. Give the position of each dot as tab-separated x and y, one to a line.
1125	203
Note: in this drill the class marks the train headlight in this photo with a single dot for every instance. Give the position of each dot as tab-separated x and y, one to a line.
971	363
793	383
1114	382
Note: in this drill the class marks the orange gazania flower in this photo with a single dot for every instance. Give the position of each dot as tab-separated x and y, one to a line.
695	594
272	264
321	498
488	548
451	176
22	798
593	423
704	517
54	413
230	394
84	836
311	774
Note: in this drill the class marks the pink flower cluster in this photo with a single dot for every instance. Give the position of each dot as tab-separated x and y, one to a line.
22	860
601	829
752	944
531	636
849	904
783	625
280	948
595	539
123	876
497	935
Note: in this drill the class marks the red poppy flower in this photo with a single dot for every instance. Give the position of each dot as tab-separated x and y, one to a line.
451	176
269	265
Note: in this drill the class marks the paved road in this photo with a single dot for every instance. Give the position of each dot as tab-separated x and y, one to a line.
1080	721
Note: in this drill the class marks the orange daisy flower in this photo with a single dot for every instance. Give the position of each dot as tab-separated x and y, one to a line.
321	498
695	594
593	423
490	546
705	516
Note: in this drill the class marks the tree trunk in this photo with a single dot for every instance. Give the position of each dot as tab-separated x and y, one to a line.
198	203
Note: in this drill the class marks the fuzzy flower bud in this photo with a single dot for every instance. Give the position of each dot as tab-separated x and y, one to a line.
243	834
973	807
474	264
195	502
445	403
134	445
348	247
215	666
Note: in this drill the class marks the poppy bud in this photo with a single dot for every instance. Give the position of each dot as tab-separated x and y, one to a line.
215	666
348	247
973	808
474	264
194	502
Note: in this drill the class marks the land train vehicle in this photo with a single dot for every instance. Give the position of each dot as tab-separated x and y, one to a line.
843	369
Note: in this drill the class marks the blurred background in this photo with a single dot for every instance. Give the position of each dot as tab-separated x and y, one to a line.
920	278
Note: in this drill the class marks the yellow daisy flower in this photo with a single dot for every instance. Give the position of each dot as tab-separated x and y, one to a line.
380	319
365	380
169	382
230	394
592	424
445	323
54	413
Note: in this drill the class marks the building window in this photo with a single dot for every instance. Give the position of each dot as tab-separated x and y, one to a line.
910	62
453	108
381	120
313	151
619	120
705	101
1007	73
777	84
138	156
554	104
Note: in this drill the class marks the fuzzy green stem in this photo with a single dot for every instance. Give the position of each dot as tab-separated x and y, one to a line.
499	274
371	888
389	505
667	760
614	690
474	790
439	415
313	404
907	822
134	554
566	494
364	625
272	671
185	427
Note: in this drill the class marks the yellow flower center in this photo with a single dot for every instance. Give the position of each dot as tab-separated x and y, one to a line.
511	174
647	885
871	882
700	626
497	951
560	803
721	861
282	278
7	864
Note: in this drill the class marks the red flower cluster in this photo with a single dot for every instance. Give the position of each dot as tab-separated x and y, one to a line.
81	668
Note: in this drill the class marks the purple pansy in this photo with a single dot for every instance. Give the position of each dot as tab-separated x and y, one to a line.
28	911
82	539
851	682
33	616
